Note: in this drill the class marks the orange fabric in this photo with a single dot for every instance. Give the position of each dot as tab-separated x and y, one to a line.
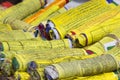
60	3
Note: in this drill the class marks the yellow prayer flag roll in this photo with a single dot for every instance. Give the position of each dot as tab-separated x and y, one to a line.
87	38
96	22
18	24
15	35
76	17
22	76
106	43
87	67
104	76
21	59
35	45
22	9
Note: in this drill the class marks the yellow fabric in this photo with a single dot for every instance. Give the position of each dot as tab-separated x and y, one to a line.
15	35
104	76
35	45
22	9
78	16
47	57
44	15
86	67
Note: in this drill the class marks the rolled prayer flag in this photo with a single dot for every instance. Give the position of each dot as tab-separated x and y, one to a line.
87	67
35	45
15	35
105	44
22	9
97	22
87	38
19	25
21	60
75	18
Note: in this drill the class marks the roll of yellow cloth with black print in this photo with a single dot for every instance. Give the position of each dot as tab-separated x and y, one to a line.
15	35
97	22
104	45
35	45
48	13
70	5
22	76
11	54
107	43
72	22
87	67
37	66
22	9
104	76
87	38
40	64
18	24
21	60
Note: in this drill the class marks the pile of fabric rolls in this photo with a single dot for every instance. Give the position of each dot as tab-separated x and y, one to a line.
60	40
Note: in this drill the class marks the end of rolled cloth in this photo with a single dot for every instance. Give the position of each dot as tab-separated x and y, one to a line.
51	73
70	42
6	68
35	75
15	64
32	66
53	32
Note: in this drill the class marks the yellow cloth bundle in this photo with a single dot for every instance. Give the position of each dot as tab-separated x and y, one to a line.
18	24
21	59
35	45
87	38
97	22
106	43
73	18
22	9
87	67
15	35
